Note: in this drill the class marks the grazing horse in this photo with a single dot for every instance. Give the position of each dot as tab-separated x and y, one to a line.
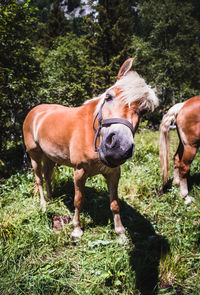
186	115
95	138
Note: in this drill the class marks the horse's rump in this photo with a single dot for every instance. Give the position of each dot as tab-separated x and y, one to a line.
188	121
186	116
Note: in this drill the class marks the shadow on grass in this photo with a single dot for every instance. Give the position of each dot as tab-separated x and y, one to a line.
11	161
167	186
96	203
193	179
149	247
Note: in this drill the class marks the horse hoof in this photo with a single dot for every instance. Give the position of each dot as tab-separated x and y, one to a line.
176	182
184	195
76	234
188	200
43	207
122	239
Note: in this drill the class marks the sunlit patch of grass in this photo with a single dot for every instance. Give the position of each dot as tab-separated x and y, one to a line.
162	253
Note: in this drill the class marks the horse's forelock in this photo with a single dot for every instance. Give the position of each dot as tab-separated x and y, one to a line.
135	89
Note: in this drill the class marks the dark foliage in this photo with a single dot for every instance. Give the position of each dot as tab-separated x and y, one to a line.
66	52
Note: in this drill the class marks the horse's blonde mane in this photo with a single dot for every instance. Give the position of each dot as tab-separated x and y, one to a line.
134	89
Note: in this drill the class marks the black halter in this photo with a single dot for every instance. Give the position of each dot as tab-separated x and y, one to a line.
108	122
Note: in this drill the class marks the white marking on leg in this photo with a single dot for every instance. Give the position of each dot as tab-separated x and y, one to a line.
188	200
176	179
183	187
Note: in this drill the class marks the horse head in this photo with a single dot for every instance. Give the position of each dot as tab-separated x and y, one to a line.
118	113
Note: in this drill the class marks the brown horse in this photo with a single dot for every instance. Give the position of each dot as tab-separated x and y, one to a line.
186	115
70	136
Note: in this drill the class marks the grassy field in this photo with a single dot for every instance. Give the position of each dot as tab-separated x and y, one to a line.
162	254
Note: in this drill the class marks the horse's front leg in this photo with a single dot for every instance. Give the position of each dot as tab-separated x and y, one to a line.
112	182
79	185
184	167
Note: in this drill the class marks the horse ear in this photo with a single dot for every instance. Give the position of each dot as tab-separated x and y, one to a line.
155	89
125	68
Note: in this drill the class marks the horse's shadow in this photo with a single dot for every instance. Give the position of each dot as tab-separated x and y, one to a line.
96	203
149	247
193	179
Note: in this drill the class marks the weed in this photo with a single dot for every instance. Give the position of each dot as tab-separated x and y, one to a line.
162	253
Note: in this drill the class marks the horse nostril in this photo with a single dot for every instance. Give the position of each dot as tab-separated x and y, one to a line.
110	139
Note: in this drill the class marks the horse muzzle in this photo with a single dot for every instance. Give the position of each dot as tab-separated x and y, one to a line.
116	146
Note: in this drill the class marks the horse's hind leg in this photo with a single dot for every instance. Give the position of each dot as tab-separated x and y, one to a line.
36	159
79	185
184	167
112	182
177	157
48	166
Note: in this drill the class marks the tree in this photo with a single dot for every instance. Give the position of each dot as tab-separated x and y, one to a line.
18	68
167	48
109	28
55	23
66	77
57	18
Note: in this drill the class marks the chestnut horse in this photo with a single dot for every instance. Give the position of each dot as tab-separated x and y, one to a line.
186	115
94	138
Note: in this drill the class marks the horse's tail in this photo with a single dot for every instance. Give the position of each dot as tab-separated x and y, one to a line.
167	120
26	160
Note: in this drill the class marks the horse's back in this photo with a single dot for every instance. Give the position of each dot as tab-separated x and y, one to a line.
38	110
188	120
63	134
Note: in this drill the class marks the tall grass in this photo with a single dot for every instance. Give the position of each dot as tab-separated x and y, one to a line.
161	256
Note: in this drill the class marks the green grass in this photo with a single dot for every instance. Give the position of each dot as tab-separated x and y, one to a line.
162	254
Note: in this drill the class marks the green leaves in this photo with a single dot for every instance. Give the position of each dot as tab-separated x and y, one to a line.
66	78
18	68
108	39
167	52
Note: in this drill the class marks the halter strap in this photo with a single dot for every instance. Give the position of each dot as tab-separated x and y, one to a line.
106	123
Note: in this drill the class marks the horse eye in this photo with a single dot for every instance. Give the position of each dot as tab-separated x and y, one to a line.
108	97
